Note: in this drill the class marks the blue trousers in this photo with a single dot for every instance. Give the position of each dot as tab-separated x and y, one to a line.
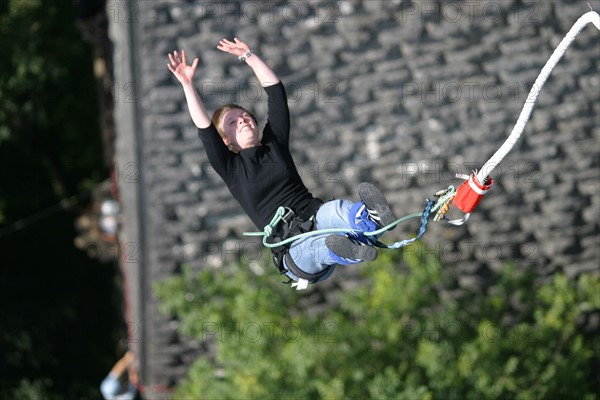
310	254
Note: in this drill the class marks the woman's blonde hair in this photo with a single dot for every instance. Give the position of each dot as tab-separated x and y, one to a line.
217	117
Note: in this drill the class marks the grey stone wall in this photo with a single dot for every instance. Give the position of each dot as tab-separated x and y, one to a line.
402	94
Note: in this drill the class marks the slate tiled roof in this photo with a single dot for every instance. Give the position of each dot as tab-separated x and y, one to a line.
403	94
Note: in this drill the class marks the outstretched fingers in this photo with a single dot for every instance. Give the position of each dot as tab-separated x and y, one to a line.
224	45
237	47
179	67
183	57
172	64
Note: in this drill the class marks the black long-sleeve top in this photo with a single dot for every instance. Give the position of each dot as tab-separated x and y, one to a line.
264	177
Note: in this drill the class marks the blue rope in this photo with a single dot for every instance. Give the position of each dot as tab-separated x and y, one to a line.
422	228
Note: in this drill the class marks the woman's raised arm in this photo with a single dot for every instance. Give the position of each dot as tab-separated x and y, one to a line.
238	48
185	75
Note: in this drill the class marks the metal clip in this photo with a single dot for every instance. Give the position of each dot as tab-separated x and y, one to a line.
290	214
445	197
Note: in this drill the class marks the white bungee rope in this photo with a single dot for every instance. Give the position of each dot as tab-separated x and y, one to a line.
488	167
470	193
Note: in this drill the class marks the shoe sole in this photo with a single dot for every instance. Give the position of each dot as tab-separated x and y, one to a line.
344	247
375	200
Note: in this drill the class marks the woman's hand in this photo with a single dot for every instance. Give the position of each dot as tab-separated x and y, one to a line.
263	72
185	75
237	47
178	66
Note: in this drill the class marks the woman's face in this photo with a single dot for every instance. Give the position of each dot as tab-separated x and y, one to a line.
240	129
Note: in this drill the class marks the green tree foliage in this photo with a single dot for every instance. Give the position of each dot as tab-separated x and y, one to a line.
398	336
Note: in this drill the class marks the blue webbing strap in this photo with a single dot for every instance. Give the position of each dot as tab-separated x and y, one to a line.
422	228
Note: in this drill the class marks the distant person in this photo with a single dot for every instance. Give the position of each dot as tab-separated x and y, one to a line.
122	381
259	171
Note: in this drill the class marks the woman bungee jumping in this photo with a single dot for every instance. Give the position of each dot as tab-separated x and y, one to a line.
260	173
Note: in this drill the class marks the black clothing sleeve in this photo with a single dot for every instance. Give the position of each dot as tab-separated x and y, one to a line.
278	113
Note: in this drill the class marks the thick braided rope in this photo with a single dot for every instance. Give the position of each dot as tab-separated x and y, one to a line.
519	127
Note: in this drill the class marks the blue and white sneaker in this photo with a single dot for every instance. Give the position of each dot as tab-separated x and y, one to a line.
377	206
360	220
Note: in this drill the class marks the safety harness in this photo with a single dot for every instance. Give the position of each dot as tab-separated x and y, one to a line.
290	225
